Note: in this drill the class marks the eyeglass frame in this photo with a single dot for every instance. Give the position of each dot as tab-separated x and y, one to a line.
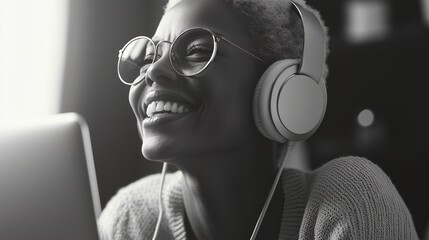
216	39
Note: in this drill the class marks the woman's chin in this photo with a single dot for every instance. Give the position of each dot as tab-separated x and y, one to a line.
152	154
157	151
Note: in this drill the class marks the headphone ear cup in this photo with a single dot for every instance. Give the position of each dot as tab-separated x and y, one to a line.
262	97
298	104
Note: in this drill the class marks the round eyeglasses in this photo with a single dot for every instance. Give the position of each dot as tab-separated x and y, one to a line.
190	54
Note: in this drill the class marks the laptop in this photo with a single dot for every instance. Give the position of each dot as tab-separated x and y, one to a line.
48	186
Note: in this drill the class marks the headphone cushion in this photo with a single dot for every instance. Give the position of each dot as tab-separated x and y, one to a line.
262	97
300	106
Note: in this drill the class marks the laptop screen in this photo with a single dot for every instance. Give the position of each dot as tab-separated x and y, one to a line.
48	187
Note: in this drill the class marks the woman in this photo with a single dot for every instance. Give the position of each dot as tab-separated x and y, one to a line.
199	117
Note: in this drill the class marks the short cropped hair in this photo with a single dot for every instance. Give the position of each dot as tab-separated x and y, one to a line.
274	26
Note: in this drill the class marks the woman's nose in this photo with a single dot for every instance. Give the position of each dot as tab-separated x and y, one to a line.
161	72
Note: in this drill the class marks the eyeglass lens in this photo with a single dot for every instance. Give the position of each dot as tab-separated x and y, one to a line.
190	54
135	59
192	51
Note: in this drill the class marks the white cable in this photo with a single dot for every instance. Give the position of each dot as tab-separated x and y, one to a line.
273	188
160	205
284	155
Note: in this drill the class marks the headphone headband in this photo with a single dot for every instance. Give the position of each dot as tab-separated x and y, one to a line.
313	56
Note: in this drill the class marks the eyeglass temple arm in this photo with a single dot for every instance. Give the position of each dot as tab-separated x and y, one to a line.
235	45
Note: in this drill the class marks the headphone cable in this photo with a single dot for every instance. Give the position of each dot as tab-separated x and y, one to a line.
160	205
285	156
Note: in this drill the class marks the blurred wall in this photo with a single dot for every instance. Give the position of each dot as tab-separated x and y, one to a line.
386	75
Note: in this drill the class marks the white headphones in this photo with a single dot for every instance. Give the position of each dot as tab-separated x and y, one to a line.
290	98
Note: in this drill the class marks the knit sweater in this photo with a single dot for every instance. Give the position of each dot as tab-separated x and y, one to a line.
347	198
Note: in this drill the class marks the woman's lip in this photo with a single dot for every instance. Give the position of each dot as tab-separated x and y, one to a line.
163	118
162	95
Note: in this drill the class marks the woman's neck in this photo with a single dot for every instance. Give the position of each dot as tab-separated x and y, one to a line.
224	192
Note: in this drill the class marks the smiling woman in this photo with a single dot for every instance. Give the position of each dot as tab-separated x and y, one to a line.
206	101
232	113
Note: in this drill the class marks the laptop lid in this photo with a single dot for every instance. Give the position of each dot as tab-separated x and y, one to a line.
48	186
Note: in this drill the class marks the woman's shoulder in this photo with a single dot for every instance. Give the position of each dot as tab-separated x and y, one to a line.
144	191
354	198
351	179
135	208
349	170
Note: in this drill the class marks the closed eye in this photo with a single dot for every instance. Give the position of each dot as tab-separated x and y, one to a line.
148	59
199	52
145	63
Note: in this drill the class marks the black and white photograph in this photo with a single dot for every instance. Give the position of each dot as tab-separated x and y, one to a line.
214	120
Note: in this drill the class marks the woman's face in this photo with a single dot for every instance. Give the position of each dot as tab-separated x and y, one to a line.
217	103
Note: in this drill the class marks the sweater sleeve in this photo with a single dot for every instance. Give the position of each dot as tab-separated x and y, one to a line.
352	198
132	213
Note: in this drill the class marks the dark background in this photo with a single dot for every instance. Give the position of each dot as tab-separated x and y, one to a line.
388	76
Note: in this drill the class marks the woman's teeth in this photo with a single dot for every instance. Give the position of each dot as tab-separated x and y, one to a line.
157	107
